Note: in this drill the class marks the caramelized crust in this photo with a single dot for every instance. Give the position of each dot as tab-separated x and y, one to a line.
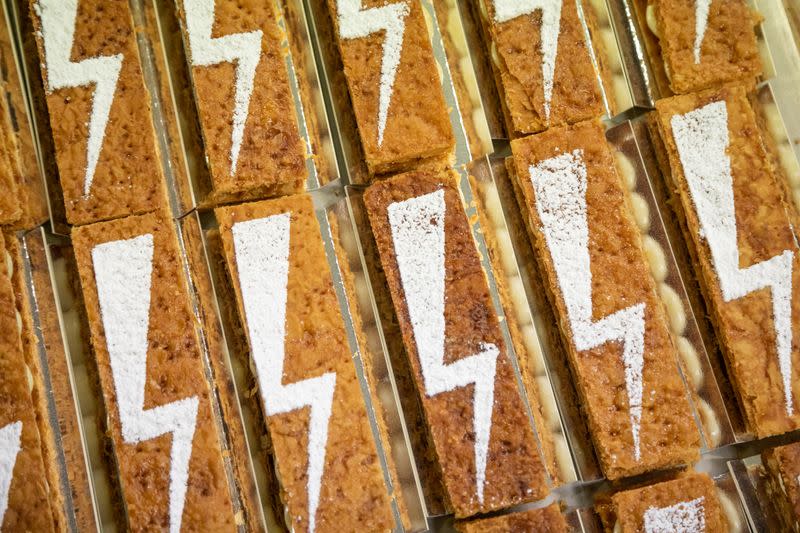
128	178
174	371
29	505
783	482
353	495
271	155
620	278
728	50
546	520
417	125
515	472
745	327
516	53
626	511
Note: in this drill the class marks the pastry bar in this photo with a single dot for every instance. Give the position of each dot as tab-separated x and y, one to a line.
543	64
395	87
105	145
165	439
599	284
480	429
26	189
546	520
325	455
782	466
688	503
737	223
699	45
27	501
54	385
243	100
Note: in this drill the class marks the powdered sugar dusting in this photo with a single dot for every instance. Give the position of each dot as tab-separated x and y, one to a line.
702	140
701	9
505	10
244	49
355	23
57	19
419	243
683	517
262	261
9	449
123	272
560	185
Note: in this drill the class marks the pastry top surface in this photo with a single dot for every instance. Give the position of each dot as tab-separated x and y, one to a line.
280	240
244	101
454	341
707	44
609	311
738	224
149	361
546	69
688	503
99	107
395	87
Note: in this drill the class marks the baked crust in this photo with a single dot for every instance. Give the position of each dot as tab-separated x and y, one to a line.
29	506
174	372
546	520
744	326
728	51
351	497
271	158
783	482
128	177
515	472
620	278
418	124
18	142
516	50
627	510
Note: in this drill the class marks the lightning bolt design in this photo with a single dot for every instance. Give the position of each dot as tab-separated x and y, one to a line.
560	184
244	49
355	23
123	270
505	10
57	19
701	9
418	235
702	140
683	516
262	260
9	449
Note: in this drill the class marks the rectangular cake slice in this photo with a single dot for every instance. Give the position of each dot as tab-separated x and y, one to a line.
481	432
243	100
99	108
546	520
738	227
395	87
165	439
610	316
543	64
309	392
688	503
699	45
782	466
24	489
17	139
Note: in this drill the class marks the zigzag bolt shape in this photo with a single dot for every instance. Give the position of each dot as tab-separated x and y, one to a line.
262	259
243	49
123	271
560	184
57	19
